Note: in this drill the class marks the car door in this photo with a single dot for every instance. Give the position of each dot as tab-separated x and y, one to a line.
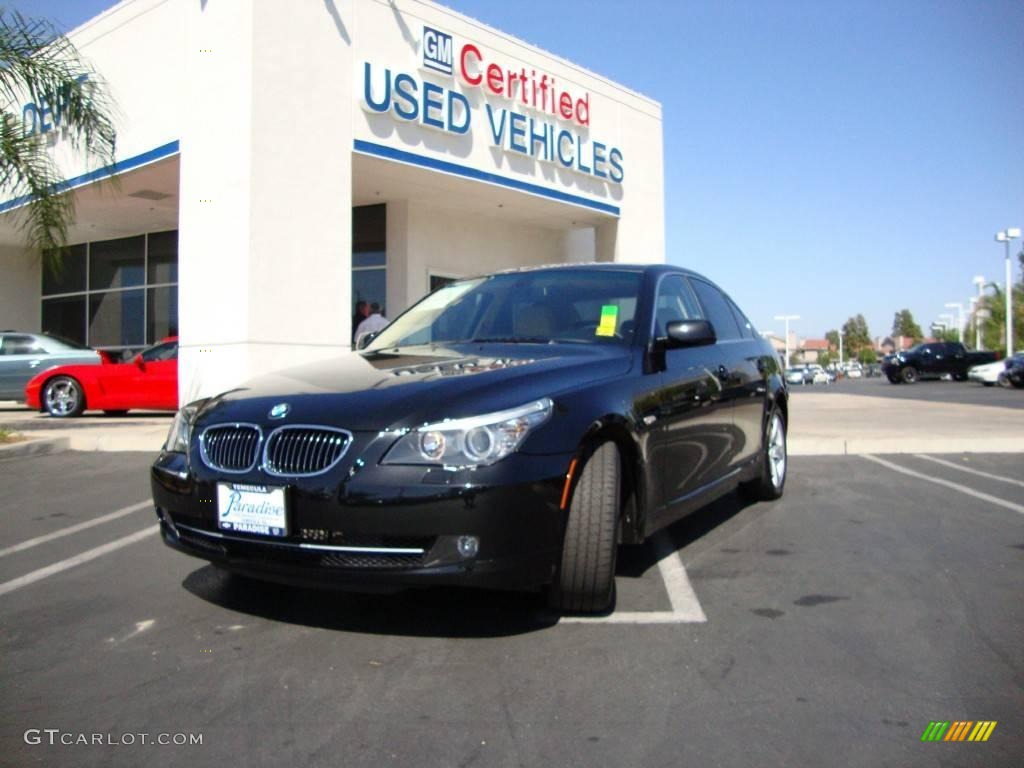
158	380
693	446
21	358
741	370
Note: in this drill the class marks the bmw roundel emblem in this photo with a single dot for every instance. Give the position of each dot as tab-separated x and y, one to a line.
280	410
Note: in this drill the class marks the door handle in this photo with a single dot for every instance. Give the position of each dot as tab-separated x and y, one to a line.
34	363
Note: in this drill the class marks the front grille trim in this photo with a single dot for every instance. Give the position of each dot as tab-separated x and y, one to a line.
239	426
309	451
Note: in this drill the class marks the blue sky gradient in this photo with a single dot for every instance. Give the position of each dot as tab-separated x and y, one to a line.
821	158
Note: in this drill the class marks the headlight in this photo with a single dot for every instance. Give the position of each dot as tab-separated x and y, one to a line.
181	430
471	442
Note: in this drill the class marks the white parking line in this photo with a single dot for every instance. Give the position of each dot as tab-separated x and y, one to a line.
971	470
946	483
685	605
71	562
75	528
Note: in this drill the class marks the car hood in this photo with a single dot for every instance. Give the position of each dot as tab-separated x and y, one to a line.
989	367
411	386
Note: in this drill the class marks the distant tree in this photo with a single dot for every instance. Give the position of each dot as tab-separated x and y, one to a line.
867	356
993	327
833	339
856	335
824	359
41	66
903	325
947	334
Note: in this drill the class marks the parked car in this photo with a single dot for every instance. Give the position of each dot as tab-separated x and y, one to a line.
854	371
23	355
987	373
1013	375
818	374
795	376
149	380
508	431
934	360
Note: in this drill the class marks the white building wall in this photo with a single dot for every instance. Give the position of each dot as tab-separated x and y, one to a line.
20	289
265	221
437	240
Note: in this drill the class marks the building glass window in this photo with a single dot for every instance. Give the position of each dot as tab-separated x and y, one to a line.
116	318
117	263
369	256
115	294
70	278
65	317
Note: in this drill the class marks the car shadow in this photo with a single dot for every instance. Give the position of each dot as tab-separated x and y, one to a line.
437	611
427	612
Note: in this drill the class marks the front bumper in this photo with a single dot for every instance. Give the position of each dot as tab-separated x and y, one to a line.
383	526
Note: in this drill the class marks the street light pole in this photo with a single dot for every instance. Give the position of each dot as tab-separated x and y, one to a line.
979	281
959	317
1006	237
787	318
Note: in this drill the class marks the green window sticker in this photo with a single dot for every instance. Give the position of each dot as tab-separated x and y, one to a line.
609	320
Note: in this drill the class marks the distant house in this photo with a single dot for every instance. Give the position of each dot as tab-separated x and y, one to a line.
811	350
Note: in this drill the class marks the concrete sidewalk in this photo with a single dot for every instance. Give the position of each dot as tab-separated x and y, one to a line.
820	425
835	424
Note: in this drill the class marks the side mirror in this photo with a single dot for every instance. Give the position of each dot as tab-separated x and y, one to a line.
139	362
364	341
690	333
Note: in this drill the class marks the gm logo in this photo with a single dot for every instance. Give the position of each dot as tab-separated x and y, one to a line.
437	50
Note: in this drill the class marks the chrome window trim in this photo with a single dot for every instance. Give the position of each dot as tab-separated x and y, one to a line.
293	545
265	460
256	454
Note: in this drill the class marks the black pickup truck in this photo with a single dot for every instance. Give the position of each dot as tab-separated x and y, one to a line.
930	361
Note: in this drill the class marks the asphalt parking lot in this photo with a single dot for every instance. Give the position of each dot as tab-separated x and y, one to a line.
828	628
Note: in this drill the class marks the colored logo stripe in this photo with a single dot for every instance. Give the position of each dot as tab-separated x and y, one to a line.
982	730
958	730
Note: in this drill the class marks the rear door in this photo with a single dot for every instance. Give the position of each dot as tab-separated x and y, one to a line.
740	370
21	358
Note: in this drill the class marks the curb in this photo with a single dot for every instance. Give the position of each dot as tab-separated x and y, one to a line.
34	446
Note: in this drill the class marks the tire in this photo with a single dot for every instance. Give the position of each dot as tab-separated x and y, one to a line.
63	397
1004	381
909	374
585	580
893	378
959	377
771	482
989	383
118	412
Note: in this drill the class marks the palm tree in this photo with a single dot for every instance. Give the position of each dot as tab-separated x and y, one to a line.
39	65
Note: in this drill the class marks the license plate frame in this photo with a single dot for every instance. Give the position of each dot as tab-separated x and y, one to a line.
261	510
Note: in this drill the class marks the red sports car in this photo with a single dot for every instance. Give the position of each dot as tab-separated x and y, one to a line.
149	381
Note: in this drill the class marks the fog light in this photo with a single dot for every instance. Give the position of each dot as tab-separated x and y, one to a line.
469	546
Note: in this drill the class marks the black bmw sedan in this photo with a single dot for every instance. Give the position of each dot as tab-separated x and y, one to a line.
507	431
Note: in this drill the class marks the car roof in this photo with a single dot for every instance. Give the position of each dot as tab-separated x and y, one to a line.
594	266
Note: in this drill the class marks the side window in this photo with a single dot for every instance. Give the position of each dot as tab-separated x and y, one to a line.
168	351
717	311
17	345
675	302
746	327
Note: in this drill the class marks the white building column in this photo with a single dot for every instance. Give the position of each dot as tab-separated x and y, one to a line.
266	202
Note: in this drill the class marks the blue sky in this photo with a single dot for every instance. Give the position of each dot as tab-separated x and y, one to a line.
822	158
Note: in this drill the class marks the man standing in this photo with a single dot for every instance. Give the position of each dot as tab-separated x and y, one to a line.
361	313
375	323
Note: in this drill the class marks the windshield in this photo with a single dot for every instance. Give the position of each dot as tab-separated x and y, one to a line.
541	307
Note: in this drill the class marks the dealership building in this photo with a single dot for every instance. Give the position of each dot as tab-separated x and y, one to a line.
277	162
